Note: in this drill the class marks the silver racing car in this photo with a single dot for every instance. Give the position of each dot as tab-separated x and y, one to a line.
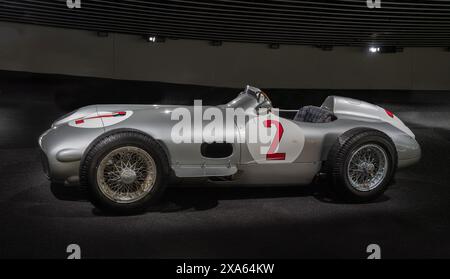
126	154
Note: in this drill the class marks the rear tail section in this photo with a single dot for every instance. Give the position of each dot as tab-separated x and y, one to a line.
344	107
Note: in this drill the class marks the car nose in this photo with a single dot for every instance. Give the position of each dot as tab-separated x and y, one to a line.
41	137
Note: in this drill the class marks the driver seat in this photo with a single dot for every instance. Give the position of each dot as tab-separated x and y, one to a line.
313	114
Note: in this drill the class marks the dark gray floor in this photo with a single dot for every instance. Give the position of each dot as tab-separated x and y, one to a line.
411	220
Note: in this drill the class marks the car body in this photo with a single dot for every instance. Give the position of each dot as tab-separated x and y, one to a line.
65	145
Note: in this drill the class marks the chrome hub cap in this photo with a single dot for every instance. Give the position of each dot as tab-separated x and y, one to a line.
126	174
367	167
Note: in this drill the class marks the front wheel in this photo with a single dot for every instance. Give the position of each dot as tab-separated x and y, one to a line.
361	164
124	172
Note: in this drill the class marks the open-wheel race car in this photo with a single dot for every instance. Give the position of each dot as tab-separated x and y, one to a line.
125	154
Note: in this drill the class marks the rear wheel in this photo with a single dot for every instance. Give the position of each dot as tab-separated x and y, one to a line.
361	164
124	172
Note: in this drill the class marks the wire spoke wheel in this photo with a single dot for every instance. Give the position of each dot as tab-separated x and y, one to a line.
126	174
367	167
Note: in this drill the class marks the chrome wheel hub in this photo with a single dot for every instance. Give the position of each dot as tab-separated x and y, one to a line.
126	174
367	167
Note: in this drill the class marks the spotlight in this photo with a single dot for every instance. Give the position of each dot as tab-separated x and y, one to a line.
154	39
274	46
385	49
215	43
374	49
102	34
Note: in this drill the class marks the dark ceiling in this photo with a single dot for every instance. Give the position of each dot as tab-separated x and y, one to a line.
336	23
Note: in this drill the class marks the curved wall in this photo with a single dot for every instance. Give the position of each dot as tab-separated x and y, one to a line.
75	52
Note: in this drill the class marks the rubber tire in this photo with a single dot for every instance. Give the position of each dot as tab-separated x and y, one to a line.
339	155
105	145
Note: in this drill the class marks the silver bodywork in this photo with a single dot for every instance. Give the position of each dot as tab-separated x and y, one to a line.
64	145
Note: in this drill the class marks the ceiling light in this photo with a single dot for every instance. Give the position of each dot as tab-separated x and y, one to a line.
374	49
154	39
385	49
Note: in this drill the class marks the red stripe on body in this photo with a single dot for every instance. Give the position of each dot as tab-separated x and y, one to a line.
119	113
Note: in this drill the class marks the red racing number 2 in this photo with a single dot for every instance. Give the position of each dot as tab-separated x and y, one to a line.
271	155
